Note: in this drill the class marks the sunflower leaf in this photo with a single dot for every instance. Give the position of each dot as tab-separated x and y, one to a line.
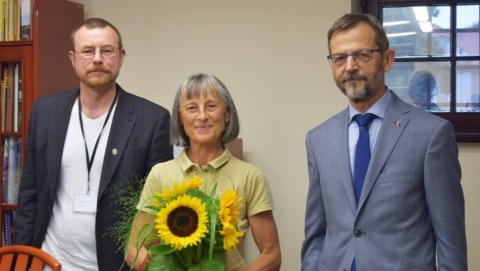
198	194
161	262
215	264
161	249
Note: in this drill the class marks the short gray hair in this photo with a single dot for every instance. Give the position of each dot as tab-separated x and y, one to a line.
194	86
351	20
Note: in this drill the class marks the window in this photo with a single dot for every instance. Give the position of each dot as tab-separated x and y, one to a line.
437	62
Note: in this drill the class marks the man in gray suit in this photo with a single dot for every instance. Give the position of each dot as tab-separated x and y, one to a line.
83	147
409	212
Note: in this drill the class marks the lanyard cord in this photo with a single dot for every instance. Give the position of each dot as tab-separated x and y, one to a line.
90	160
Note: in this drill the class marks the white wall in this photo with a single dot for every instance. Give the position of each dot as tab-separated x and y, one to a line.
271	54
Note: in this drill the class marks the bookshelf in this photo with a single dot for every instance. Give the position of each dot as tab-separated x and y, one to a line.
34	67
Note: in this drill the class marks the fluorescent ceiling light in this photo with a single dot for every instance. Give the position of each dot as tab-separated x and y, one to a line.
426	26
421	13
401	34
396	23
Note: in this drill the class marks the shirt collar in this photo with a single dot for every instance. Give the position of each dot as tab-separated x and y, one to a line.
379	108
186	164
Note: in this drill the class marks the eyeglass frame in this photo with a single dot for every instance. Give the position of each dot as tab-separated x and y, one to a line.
356	53
102	51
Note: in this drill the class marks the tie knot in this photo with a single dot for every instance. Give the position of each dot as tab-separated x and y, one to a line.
365	119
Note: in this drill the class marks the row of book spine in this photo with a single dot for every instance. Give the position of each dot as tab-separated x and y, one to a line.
8	228
11	169
11	97
15	19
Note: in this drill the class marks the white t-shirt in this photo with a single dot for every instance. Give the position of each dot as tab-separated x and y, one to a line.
70	235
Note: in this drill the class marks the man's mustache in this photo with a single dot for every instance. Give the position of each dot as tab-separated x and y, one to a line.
354	76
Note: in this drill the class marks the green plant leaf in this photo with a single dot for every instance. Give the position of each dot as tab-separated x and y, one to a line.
161	262
161	249
215	264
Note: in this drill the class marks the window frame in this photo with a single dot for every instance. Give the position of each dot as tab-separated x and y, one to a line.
466	124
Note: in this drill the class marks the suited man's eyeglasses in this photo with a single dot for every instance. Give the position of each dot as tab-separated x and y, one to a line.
364	56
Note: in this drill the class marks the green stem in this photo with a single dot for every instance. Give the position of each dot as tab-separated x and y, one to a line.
213	224
182	258
199	252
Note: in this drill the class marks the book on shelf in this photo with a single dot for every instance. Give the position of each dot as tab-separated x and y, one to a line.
4	94
19	100
2	20
9	83
5	172
9	20
16	98
18	167
17	19
2	98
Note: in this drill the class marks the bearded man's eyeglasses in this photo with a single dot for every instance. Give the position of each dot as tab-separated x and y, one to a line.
364	56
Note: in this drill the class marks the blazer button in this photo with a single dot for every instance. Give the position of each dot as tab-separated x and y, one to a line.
358	233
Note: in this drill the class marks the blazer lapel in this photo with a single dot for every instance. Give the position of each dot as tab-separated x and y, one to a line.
395	121
341	156
56	133
122	125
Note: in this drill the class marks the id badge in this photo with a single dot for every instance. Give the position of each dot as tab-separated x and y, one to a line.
84	203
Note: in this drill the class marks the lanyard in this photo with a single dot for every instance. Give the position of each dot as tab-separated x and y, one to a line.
90	160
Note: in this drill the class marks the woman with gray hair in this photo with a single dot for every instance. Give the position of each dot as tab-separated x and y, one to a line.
204	119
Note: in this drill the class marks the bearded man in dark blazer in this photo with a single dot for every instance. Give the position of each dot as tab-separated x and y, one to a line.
84	146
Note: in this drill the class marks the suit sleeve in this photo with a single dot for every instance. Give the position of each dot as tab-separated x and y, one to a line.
315	221
445	199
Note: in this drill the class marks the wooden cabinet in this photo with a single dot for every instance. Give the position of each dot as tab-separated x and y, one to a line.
43	67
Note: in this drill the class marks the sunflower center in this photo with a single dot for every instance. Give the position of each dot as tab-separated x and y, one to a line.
183	221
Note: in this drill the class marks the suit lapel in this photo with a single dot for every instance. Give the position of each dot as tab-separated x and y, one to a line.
122	125
57	130
393	125
341	156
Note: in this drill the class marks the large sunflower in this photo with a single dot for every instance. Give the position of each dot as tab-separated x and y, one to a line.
229	217
182	222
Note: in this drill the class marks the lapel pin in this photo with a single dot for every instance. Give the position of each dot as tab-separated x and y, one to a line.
397	123
114	151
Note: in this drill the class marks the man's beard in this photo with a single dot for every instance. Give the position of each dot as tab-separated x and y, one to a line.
356	93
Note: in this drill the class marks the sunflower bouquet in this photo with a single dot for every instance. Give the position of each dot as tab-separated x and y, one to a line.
191	229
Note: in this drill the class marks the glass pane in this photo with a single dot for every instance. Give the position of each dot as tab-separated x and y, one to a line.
468	30
422	84
418	31
468	86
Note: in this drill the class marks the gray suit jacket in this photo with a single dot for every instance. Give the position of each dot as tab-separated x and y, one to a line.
139	133
412	205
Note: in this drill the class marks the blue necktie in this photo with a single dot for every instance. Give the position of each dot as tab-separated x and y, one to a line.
362	158
362	153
